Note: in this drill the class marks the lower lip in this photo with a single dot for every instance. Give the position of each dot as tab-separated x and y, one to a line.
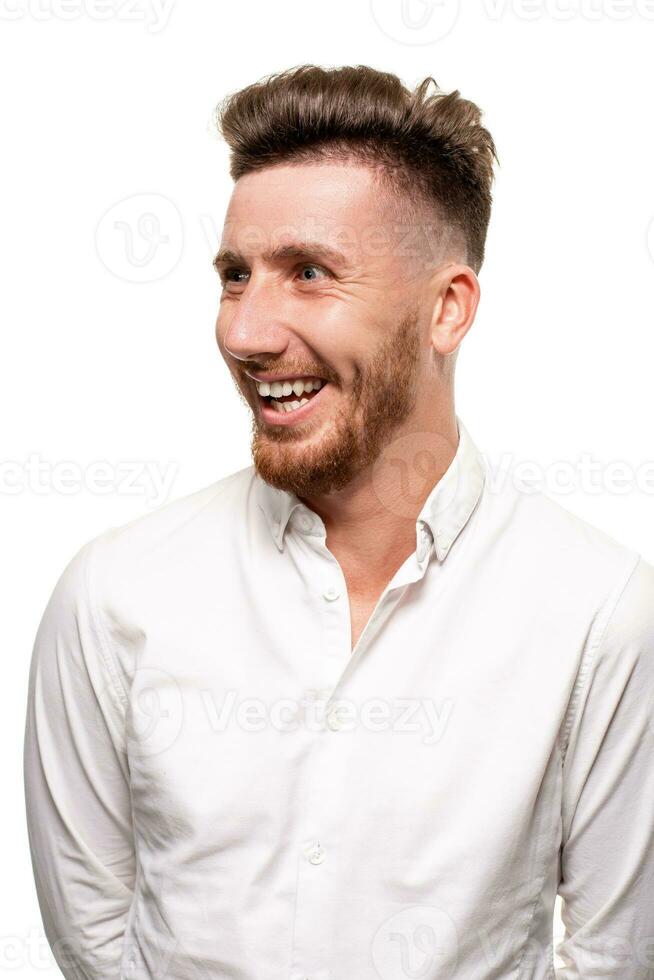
275	417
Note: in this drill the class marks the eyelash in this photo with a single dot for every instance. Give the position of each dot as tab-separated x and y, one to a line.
225	273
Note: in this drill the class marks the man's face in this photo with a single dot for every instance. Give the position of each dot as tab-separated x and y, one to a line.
338	303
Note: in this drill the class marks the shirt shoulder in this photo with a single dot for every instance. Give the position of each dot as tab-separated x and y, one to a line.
540	533
224	499
171	536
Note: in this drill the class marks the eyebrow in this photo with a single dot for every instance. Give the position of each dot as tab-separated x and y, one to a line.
291	251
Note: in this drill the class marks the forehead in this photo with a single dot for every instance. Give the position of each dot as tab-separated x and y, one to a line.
338	203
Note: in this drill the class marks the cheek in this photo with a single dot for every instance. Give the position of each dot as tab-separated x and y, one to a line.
360	320
341	337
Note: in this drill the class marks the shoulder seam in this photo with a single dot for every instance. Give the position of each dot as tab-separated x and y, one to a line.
595	638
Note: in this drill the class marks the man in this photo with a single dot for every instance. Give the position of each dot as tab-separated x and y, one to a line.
351	712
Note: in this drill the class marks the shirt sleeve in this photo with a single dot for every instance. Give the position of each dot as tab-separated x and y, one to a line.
607	852
76	784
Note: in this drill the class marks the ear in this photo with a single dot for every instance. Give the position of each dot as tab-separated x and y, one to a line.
456	292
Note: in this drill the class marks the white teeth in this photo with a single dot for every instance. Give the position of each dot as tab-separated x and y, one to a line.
288	406
297	386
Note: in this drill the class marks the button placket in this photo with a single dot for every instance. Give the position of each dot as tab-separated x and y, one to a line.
313	887
334	612
324	763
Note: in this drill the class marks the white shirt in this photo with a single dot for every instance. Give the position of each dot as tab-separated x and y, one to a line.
193	815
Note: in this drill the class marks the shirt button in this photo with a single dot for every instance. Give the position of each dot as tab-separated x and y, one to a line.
306	522
334	723
317	855
331	593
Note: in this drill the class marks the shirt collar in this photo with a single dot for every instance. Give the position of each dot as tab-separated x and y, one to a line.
445	511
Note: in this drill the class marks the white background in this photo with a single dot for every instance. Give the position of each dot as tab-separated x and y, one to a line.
108	324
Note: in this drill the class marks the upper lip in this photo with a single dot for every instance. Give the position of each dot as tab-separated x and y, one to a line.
280	377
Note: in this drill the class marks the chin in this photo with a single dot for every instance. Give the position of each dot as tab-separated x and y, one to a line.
306	470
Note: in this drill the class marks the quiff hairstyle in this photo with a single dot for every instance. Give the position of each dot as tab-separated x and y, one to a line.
428	148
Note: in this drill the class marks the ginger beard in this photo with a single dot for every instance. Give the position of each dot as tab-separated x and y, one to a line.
382	396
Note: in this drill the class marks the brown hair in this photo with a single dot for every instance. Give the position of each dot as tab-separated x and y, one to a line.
431	148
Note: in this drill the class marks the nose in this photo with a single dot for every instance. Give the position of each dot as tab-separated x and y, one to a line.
256	325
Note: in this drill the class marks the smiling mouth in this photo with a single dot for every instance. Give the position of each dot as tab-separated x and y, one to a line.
290	395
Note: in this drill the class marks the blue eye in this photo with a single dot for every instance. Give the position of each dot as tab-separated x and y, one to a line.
311	266
235	276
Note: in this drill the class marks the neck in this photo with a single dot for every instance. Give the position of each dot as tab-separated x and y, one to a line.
371	523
